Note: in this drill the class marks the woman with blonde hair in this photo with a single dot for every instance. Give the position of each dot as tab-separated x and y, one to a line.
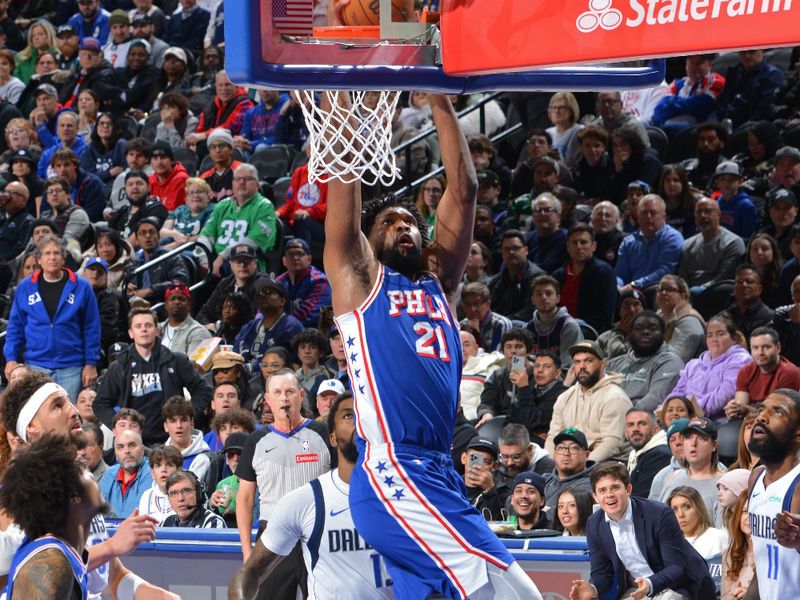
695	522
41	37
20	134
564	113
685	327
428	198
738	562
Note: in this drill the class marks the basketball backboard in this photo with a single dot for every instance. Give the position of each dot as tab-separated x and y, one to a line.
498	37
261	53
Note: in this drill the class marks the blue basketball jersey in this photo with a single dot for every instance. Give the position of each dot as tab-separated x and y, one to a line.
30	549
404	359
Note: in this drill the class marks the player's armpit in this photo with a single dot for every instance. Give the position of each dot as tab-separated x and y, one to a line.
246	581
47	576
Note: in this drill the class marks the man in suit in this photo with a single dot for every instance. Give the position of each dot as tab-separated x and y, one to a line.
636	547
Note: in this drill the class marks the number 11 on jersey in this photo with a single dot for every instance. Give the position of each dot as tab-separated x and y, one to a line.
378	570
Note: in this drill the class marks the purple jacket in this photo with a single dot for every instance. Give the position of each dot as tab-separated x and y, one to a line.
712	381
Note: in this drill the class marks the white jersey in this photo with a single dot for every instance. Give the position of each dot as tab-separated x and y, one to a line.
155	503
778	567
340	564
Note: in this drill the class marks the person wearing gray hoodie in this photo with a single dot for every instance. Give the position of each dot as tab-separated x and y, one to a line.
650	369
552	327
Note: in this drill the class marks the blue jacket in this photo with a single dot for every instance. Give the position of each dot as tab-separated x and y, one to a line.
307	295
72	339
264	125
123	506
644	262
47	155
99	28
739	215
675	563
748	95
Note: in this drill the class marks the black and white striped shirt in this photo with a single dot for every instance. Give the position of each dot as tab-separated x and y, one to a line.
281	462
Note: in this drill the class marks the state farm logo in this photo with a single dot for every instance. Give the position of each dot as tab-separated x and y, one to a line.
600	14
666	12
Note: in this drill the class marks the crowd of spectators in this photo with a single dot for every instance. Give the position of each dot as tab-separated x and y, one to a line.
632	291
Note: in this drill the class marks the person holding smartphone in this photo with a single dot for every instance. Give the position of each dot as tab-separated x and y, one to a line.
480	463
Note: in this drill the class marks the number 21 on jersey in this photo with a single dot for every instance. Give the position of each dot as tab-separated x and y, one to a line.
431	342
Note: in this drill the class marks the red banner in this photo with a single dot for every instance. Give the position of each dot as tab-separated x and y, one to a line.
490	36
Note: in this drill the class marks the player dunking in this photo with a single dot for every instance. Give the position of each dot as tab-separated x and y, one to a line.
776	440
391	288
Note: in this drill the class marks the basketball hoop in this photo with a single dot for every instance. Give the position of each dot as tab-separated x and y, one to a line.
353	140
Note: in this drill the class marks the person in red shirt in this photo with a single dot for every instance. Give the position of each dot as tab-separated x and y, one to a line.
587	284
768	372
303	213
227	111
168	181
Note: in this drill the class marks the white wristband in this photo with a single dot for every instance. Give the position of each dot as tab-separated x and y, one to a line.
126	588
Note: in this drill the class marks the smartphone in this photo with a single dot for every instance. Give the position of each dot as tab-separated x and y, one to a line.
518	363
475	460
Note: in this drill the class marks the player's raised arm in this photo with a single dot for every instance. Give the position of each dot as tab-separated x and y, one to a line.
455	214
349	261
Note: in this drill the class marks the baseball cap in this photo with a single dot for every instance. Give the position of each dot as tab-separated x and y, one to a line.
735	480
530	478
162	148
119	17
481	443
634	293
296	243
24	155
788	152
782	194
701	425
91	43
225	359
96	261
266	282
638	183
570	433
243	251
235	441
140	42
330	385
677	427
727	167
178	53
546	160
46	88
487	177
141	18
587	346
177	288
67	28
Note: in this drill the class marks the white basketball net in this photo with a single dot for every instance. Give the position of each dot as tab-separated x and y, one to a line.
353	140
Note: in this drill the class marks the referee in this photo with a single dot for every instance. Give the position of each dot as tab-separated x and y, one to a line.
276	460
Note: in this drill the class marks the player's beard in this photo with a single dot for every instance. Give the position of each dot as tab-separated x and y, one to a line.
409	265
349	451
771	449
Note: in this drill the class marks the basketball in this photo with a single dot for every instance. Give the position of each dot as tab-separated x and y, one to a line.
367	12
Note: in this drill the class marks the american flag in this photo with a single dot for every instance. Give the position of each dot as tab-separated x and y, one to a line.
292	17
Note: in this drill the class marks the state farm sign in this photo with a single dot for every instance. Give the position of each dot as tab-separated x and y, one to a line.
486	36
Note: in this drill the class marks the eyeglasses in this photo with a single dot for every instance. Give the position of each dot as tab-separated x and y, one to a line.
244	179
667	290
608	102
559	108
433	190
544	210
180	492
514	458
197	193
55	191
16	131
219	147
571	449
269	292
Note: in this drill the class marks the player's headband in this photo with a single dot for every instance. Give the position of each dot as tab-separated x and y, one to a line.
33	405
